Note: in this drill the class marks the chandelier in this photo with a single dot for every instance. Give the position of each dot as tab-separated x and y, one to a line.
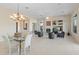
17	17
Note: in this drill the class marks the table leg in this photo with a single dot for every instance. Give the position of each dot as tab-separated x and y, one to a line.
20	48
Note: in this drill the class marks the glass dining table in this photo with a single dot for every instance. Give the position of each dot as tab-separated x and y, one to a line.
20	40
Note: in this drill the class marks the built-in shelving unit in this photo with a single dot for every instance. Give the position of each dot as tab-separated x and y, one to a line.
58	24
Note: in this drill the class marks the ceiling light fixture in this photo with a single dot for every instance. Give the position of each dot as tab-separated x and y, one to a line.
59	3
27	7
47	17
17	17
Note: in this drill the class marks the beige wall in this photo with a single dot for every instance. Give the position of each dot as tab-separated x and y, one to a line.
7	26
31	21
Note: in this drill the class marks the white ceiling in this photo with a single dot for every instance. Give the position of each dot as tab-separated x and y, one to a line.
41	10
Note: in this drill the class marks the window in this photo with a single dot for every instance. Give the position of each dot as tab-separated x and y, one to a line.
75	23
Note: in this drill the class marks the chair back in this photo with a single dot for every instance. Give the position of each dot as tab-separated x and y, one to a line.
28	40
6	39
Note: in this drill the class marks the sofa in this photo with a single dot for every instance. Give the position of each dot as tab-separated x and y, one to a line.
36	32
48	30
61	34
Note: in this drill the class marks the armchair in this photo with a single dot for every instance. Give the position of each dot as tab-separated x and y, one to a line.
48	30
40	34
61	34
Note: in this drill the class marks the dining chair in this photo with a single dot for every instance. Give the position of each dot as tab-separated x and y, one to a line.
9	41
27	43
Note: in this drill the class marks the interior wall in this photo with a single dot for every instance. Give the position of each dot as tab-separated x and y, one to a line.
31	21
66	22
7	25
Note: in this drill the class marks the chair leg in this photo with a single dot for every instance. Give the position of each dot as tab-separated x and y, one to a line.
18	50
9	50
26	50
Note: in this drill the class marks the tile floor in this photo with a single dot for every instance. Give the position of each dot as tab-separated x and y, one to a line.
56	46
45	46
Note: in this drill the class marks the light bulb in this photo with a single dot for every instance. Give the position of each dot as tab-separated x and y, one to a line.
19	19
47	17
12	17
22	17
15	15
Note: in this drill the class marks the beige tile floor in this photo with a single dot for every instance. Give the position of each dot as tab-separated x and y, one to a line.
45	46
56	46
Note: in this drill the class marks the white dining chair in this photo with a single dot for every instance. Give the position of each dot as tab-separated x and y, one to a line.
10	43
7	41
27	43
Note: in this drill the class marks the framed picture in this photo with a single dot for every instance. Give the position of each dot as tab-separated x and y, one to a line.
48	23
54	23
24	25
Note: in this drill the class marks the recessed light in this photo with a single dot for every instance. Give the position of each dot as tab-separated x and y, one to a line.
47	17
26	7
62	11
59	4
41	15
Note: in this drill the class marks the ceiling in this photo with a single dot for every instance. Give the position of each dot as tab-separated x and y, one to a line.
41	10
